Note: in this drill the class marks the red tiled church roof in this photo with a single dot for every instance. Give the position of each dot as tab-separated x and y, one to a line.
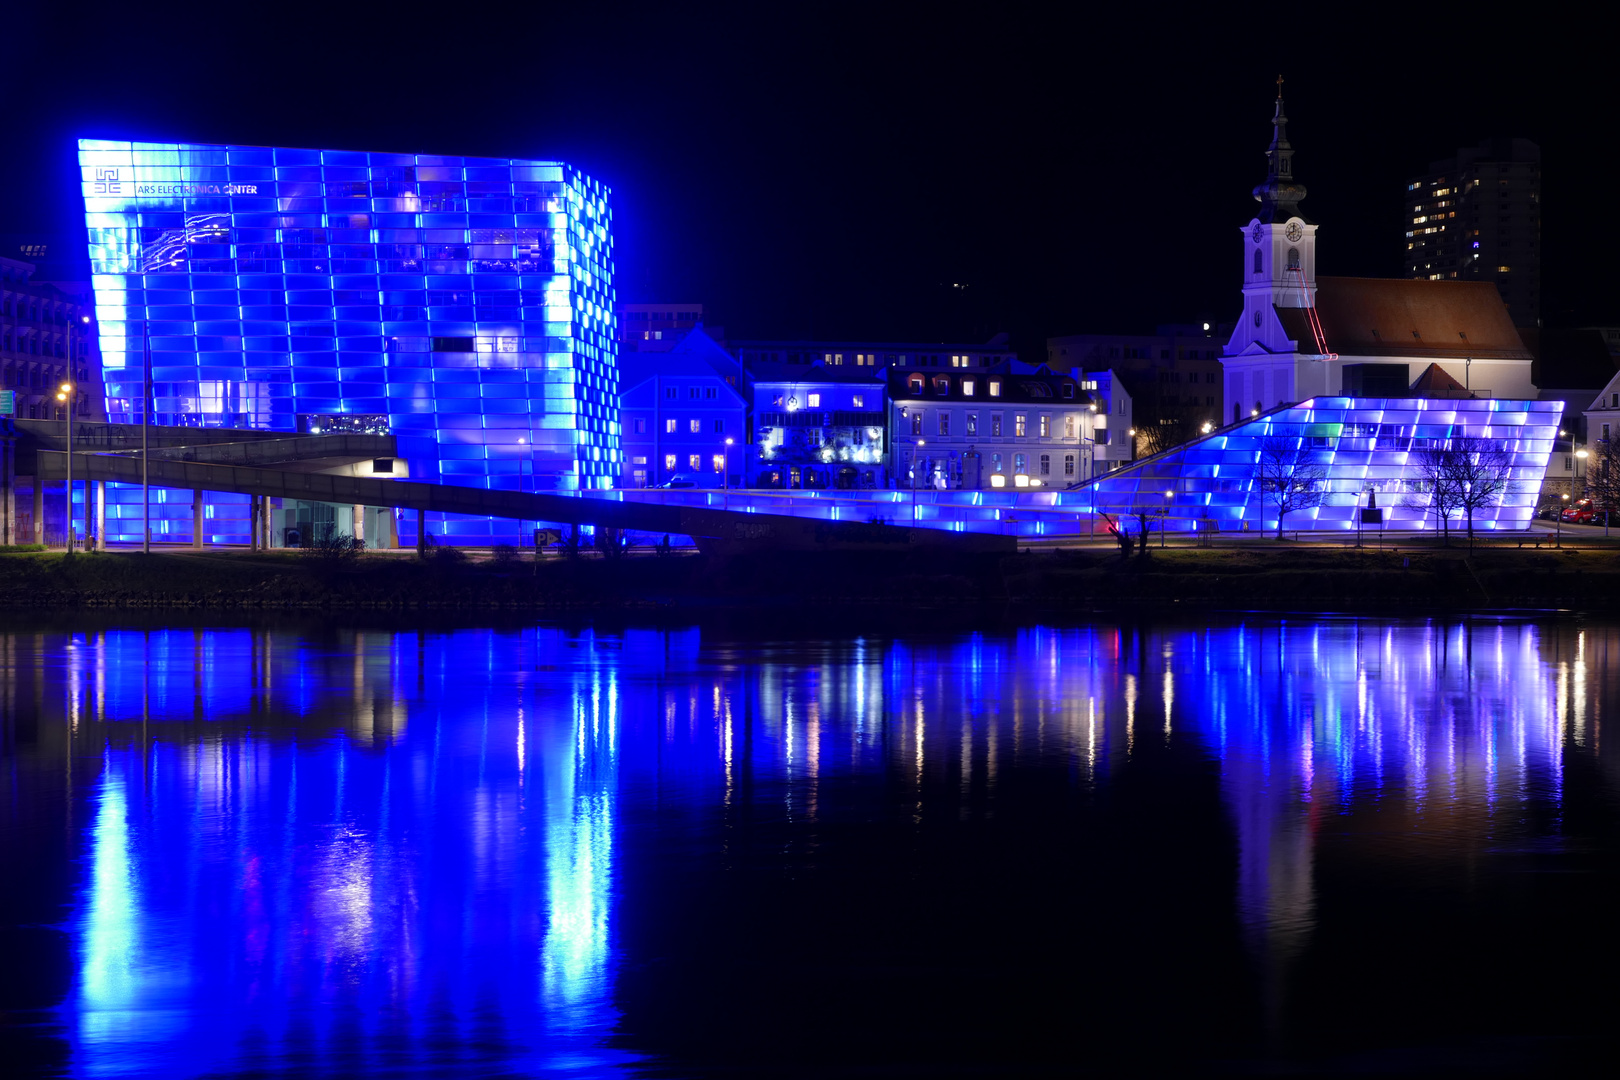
1393	317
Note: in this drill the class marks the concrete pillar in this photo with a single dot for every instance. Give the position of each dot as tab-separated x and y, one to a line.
39	510
421	532
101	514
359	513
253	523
197	518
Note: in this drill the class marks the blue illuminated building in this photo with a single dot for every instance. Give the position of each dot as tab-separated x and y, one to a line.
1344	454
465	303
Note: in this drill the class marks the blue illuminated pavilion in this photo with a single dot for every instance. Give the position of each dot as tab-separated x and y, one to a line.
1349	453
463	304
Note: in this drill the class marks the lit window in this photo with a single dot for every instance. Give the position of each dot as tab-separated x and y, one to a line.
639	459
967	387
1068	426
719	463
995	387
1020	422
857	401
916	423
995	425
669	462
695	462
1020	463
671	426
695	426
944	423
815	399
972	423
1046	425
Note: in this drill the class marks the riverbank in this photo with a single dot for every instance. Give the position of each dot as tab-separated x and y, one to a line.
1283	577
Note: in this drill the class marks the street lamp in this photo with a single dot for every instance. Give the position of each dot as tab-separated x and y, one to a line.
1580	460
1560	527
64	394
915	458
725	476
1164	522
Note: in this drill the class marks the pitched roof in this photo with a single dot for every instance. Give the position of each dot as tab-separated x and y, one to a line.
696	354
1436	383
1392	317
769	371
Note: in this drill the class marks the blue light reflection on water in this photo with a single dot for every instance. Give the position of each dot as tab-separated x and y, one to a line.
386	851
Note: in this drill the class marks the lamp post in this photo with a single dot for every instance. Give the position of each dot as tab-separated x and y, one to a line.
725	475
64	394
523	446
1164	522
1559	542
915	458
1580	461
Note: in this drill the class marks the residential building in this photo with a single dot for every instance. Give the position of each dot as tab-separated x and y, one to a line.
47	338
1173	376
1114	434
657	328
876	354
1302	336
467	300
684	413
1012	426
1477	217
818	426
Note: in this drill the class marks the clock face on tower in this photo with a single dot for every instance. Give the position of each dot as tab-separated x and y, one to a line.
1257	232
1294	231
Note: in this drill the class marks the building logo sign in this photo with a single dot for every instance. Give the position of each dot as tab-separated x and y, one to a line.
170	190
108	183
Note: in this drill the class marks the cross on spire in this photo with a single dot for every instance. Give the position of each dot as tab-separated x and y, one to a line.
1279	87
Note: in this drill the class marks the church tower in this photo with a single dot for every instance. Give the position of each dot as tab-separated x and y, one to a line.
1279	271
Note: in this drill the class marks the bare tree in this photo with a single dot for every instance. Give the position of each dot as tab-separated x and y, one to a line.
1479	471
1438	492
1289	480
1603	478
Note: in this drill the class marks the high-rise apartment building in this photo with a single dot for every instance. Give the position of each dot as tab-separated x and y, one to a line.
1477	217
463	304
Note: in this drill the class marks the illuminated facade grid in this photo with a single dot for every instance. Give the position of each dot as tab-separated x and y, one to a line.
1352	446
467	300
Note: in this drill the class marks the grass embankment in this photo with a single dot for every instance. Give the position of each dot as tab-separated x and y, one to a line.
1284	577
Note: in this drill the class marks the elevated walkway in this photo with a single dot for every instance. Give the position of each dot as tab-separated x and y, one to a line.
714	529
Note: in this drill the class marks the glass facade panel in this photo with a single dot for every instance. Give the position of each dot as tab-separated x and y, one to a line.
466	301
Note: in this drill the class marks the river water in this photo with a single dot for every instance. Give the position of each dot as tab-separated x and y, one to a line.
1247	844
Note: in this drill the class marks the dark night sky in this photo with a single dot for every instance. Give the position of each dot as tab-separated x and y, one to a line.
833	171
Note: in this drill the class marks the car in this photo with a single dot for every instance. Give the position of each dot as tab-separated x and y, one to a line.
692	480
1582	512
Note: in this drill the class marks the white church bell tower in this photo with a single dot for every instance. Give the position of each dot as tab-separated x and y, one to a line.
1279	271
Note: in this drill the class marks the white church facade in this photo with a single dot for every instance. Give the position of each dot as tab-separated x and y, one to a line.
1302	336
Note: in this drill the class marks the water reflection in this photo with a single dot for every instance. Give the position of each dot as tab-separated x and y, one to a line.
375	851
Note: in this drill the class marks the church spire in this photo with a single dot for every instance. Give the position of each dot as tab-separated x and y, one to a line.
1279	196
